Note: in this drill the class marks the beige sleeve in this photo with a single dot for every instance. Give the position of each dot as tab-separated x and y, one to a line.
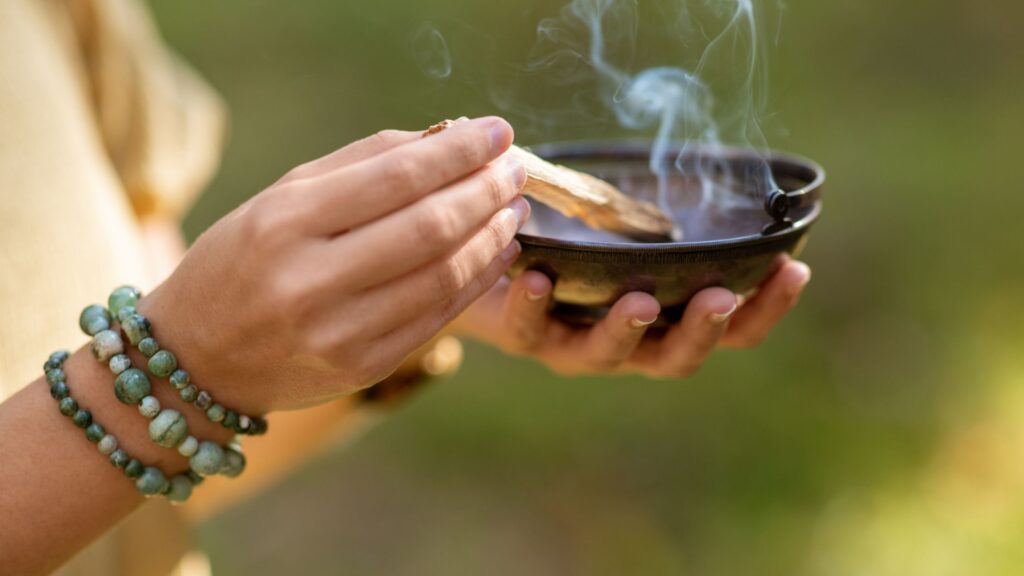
160	122
68	231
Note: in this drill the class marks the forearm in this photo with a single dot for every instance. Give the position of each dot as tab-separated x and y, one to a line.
57	491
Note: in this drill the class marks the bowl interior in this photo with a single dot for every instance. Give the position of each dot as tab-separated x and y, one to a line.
715	196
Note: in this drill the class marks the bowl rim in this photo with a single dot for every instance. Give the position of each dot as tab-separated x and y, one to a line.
563	150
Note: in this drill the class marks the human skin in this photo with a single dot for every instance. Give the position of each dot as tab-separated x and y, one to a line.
317	287
321	286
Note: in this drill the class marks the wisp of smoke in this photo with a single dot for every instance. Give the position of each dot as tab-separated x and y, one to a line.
430	50
678	103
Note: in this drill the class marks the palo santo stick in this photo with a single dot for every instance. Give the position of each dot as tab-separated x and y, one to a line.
577	195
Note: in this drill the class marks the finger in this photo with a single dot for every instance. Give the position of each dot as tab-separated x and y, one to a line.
687	345
365	191
404	241
439	286
755	320
410	336
525	310
358	151
613	340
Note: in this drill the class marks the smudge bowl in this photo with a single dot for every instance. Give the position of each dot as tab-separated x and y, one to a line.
731	240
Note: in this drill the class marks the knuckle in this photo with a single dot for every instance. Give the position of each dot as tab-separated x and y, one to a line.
437	224
401	172
451	279
497	186
299	172
386	137
499	233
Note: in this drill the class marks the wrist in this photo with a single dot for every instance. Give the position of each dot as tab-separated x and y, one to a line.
92	385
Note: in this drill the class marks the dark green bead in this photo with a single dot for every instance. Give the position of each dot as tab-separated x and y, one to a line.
119	458
216	413
121	297
162	364
180	379
259	427
230	420
94	319
149	346
56	360
189	393
204	400
131	386
136	328
82	418
151	482
94	432
196	479
68	406
234	463
60	390
55	375
134	468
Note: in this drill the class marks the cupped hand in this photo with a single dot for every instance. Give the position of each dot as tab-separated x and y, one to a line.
514	317
323	283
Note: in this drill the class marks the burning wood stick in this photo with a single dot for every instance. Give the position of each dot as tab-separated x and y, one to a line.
577	195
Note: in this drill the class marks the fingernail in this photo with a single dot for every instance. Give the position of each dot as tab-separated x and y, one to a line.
499	135
511	252
535	297
803	277
517	172
724	317
638	323
521	208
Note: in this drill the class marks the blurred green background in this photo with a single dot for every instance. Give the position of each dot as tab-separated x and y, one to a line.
879	431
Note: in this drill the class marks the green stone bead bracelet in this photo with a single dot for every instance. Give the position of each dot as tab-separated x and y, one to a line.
149	480
167	427
96	320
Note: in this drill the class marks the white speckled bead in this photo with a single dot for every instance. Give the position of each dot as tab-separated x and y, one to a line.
149	407
106	344
120	363
168	429
188	447
107	444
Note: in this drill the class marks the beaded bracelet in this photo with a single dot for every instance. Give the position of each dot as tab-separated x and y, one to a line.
167	427
162	363
149	480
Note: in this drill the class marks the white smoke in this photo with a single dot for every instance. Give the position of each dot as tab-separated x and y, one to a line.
677	103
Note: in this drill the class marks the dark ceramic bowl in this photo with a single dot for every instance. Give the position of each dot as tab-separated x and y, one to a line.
731	243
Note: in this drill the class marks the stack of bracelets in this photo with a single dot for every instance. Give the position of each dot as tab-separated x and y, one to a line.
167	427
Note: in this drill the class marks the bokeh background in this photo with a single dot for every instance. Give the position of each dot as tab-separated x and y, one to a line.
879	431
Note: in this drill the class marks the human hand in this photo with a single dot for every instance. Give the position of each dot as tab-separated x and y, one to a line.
514	317
322	284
